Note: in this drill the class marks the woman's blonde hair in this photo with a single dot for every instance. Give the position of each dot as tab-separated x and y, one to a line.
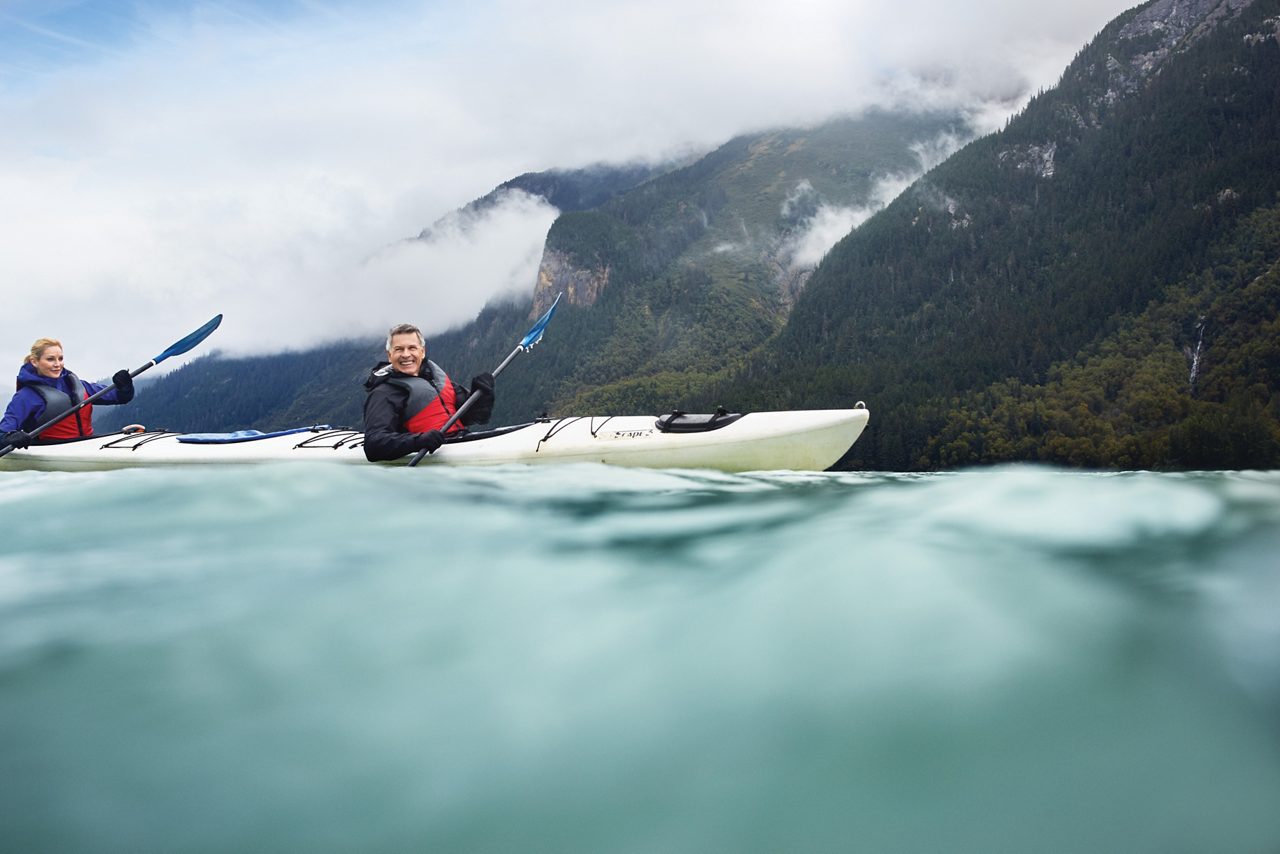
38	348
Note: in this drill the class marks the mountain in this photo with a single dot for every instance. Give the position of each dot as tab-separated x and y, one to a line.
1094	285
671	274
1109	216
688	273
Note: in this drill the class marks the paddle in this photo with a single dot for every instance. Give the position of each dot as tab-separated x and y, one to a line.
175	349
533	336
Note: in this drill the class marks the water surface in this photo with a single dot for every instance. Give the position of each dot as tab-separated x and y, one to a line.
310	658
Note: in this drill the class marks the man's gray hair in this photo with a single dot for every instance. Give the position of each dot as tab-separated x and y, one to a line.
405	329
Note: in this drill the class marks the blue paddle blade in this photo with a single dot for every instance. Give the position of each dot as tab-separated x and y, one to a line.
535	334
190	341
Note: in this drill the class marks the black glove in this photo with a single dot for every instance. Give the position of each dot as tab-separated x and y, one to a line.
17	438
429	441
483	383
124	386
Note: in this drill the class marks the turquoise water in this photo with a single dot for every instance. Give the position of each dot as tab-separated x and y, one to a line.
587	659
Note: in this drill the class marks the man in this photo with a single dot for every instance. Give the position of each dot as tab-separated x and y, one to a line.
410	398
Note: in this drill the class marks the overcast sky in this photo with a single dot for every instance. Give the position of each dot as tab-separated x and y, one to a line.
165	161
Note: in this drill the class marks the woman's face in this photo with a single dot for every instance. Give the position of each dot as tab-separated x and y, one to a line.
50	362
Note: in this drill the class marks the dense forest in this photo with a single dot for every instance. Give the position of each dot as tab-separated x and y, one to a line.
1035	247
1191	382
1094	285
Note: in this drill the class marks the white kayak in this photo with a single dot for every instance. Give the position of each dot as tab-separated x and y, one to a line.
810	440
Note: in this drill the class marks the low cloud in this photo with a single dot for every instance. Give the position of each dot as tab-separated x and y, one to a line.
464	260
828	224
823	231
270	161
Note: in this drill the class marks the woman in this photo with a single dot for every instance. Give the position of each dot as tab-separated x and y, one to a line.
45	389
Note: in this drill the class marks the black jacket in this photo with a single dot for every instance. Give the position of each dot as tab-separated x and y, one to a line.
385	435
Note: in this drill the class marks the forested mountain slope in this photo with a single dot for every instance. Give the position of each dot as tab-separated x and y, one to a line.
1032	247
1190	383
690	272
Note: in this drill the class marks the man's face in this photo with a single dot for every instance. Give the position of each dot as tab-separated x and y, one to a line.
406	354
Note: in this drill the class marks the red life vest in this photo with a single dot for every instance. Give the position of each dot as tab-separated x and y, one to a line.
431	402
56	401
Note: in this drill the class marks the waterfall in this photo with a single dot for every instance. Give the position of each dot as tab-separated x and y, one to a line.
1194	355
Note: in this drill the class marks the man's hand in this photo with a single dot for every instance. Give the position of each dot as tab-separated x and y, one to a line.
483	383
122	381
429	441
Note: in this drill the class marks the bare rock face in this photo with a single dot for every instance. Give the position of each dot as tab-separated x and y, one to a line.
1036	159
1136	54
1175	20
556	274
1164	28
1270	30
